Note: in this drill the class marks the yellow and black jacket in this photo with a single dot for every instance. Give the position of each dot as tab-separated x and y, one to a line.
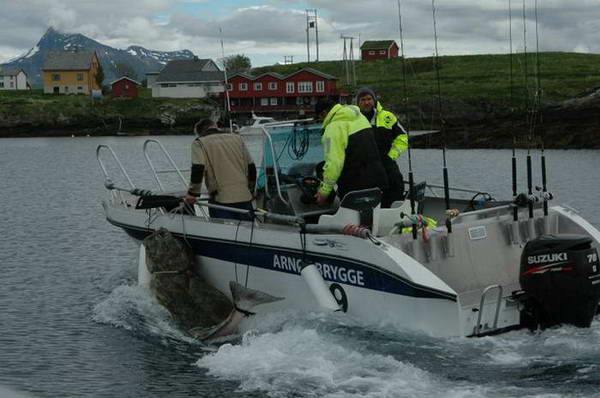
390	138
351	156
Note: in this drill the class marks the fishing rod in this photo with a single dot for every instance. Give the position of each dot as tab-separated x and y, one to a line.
443	130
546	196
411	179
227	103
515	224
529	167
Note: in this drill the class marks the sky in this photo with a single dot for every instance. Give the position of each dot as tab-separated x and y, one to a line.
268	30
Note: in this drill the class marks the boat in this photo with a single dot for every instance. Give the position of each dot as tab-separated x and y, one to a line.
490	266
255	124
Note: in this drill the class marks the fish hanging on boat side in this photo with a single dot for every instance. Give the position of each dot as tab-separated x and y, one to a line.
203	311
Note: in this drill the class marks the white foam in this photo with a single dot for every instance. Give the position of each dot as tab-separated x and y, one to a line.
306	362
135	308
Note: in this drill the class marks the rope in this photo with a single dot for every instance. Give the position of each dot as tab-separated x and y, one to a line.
356	230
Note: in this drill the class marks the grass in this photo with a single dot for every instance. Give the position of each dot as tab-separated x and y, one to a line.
469	78
467	84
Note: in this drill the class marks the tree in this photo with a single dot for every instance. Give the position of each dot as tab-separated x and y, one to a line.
124	69
237	63
100	75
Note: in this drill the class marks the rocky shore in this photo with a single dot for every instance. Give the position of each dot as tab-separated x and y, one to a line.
571	124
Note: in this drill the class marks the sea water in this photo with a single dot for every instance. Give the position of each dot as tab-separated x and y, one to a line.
73	323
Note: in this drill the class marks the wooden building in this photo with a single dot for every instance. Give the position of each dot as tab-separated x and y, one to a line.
13	79
276	93
188	78
69	72
125	87
378	49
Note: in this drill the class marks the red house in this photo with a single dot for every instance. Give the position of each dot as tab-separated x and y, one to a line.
378	49
125	87
273	92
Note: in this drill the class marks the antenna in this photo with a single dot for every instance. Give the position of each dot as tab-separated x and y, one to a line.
411	179
443	130
227	103
312	23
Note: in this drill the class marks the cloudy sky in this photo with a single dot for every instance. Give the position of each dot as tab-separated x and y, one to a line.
267	30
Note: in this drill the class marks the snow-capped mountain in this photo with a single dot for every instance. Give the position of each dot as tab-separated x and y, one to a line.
140	59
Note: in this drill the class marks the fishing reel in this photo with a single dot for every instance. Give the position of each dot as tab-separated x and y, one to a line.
523	200
544	195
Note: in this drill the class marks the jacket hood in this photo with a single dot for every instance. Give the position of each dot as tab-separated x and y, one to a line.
342	113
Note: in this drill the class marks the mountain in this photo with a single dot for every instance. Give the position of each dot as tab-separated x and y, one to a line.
140	59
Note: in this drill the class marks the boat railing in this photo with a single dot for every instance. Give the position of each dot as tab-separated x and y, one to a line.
479	327
103	148
155	171
432	188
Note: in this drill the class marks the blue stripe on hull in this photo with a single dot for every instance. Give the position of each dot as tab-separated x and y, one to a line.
334	269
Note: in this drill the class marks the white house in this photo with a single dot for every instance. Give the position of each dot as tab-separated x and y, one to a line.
13	80
189	78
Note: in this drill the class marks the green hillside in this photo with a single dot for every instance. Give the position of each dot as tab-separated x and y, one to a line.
470	77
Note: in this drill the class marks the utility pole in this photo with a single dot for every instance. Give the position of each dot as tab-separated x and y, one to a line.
348	58
307	38
312	23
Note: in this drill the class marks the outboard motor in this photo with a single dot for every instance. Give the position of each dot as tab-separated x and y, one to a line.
560	277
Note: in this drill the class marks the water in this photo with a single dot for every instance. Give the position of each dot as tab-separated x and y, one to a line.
74	324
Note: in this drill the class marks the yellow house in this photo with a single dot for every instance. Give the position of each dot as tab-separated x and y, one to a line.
71	72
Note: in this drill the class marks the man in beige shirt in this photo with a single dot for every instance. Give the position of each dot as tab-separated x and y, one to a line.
222	160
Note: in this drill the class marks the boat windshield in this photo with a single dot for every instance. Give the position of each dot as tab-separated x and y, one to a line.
285	147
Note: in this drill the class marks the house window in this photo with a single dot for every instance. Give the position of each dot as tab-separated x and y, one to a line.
289	87
172	85
272	86
1	84
80	88
273	101
382	52
55	77
80	76
371	52
258	86
299	101
243	86
305	87
12	85
164	85
264	101
66	89
229	86
320	86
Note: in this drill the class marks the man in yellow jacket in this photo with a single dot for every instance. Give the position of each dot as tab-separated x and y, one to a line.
391	141
351	157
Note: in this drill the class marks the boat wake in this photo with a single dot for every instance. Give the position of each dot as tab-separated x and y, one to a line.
315	355
292	353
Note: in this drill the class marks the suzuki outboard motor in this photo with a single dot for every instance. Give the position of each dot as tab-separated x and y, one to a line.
560	277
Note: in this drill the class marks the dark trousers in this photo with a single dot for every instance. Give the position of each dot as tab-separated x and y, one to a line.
395	189
222	213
